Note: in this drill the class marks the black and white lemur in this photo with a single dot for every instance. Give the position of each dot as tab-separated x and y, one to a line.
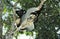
28	17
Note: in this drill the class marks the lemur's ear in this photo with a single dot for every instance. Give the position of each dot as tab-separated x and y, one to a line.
20	12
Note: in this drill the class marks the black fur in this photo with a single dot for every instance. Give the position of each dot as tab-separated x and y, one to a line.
20	12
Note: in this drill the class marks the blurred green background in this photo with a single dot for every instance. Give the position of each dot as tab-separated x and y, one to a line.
48	24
